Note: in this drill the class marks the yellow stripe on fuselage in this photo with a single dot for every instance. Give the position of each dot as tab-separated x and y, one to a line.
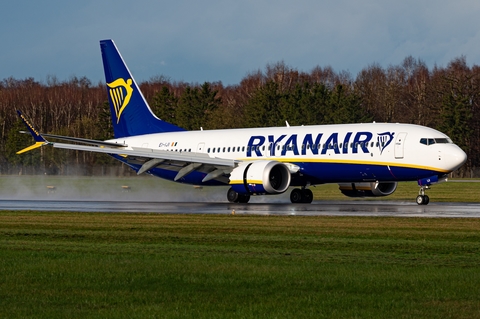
337	161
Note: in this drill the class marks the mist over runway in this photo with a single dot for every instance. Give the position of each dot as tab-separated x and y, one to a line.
145	194
317	208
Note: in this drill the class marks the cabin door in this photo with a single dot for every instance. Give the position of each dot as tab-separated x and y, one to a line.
399	144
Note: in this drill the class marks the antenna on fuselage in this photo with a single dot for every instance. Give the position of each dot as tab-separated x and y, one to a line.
286	122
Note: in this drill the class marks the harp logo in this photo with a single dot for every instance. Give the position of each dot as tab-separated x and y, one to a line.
384	139
120	94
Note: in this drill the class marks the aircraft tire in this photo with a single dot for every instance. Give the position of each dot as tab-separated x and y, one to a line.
296	196
426	200
307	195
422	200
232	196
243	198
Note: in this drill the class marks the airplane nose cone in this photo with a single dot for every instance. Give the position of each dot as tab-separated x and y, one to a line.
456	158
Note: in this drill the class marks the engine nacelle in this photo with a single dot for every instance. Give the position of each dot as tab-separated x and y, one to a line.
260	177
368	189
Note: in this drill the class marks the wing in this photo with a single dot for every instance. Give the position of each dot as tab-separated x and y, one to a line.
182	162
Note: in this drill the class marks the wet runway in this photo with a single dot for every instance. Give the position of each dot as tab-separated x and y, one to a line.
317	208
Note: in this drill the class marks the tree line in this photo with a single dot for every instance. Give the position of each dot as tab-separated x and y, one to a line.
444	98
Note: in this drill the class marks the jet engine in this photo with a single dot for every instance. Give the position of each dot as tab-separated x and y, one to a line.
368	189
260	177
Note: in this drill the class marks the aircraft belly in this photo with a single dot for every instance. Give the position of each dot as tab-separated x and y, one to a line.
317	173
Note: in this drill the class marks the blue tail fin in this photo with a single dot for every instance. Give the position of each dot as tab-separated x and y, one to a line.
130	112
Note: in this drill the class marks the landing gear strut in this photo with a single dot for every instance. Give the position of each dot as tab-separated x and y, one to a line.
423	199
304	195
234	197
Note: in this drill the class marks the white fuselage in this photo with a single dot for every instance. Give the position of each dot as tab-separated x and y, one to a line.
349	152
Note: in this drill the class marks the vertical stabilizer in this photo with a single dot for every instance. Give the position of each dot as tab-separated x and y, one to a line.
130	112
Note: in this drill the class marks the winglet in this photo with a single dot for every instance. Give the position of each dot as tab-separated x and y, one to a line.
39	140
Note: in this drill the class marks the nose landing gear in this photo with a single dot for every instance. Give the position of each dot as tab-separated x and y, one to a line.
423	199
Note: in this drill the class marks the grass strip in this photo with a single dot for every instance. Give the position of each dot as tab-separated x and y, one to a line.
76	265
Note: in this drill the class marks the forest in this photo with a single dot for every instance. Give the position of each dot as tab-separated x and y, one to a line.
445	98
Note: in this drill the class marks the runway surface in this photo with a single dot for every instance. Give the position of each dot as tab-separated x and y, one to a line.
317	208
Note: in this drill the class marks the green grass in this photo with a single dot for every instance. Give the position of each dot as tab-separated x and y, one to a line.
77	265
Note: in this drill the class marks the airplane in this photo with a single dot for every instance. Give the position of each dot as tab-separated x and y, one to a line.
365	160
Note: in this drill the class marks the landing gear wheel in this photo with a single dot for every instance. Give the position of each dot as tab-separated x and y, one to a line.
296	196
426	200
307	196
232	195
420	199
243	198
301	196
423	200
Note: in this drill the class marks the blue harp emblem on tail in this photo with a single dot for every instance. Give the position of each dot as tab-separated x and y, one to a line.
120	94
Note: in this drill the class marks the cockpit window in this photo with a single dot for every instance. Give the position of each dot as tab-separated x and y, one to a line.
431	141
443	141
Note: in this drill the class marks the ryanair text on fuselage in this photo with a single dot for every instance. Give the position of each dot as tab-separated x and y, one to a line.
350	143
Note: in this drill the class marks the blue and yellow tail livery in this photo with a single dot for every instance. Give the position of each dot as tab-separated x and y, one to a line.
130	112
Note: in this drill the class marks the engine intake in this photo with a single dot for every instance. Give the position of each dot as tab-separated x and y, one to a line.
368	189
260	177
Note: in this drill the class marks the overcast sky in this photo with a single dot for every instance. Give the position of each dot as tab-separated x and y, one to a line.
198	41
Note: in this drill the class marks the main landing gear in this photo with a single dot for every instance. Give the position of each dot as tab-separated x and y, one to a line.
303	195
298	195
234	197
423	199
